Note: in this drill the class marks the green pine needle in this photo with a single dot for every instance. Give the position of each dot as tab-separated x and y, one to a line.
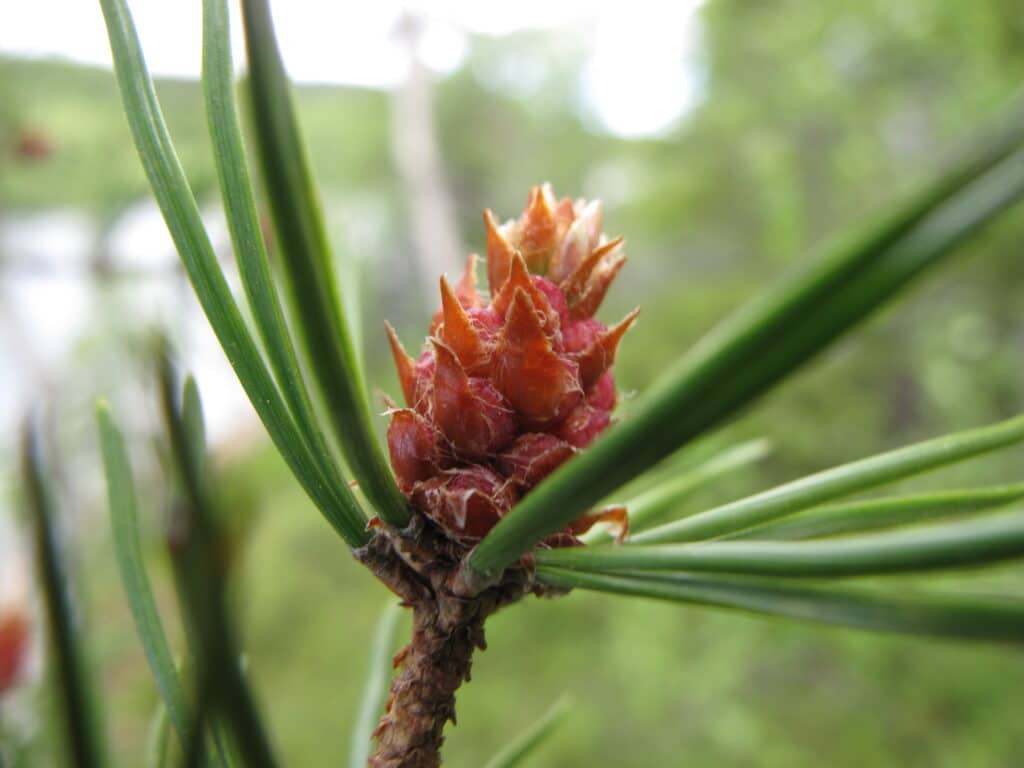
77	700
309	266
837	482
128	550
174	197
979	541
379	669
951	616
888	512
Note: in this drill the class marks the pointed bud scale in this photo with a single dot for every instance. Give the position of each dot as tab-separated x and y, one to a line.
538	229
469	411
532	457
575	284
458	333
591	213
465	289
603	394
575	246
559	540
404	364
466	502
615	516
583	425
565	215
424	383
540	384
599	356
499	254
592	297
520	279
415	448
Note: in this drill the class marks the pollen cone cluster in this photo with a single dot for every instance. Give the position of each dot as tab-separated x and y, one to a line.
508	389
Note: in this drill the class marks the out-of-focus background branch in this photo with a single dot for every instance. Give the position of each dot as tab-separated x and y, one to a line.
436	241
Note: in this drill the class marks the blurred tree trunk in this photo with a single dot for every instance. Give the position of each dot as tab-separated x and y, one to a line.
436	242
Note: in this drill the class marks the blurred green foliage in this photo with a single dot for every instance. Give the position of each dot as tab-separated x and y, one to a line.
812	115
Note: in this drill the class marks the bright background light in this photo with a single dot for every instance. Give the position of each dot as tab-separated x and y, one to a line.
641	75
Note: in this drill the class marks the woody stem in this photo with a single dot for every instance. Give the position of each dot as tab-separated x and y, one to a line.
421	567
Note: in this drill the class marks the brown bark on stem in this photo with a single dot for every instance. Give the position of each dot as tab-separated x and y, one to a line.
421	566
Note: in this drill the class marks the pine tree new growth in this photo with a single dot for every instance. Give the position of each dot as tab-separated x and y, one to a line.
508	388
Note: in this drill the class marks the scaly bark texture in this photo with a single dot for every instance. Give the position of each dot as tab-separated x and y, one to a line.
420	565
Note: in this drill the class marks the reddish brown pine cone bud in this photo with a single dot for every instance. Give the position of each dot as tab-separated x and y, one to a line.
509	389
541	385
532	457
471	413
603	394
583	425
466	502
415	447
